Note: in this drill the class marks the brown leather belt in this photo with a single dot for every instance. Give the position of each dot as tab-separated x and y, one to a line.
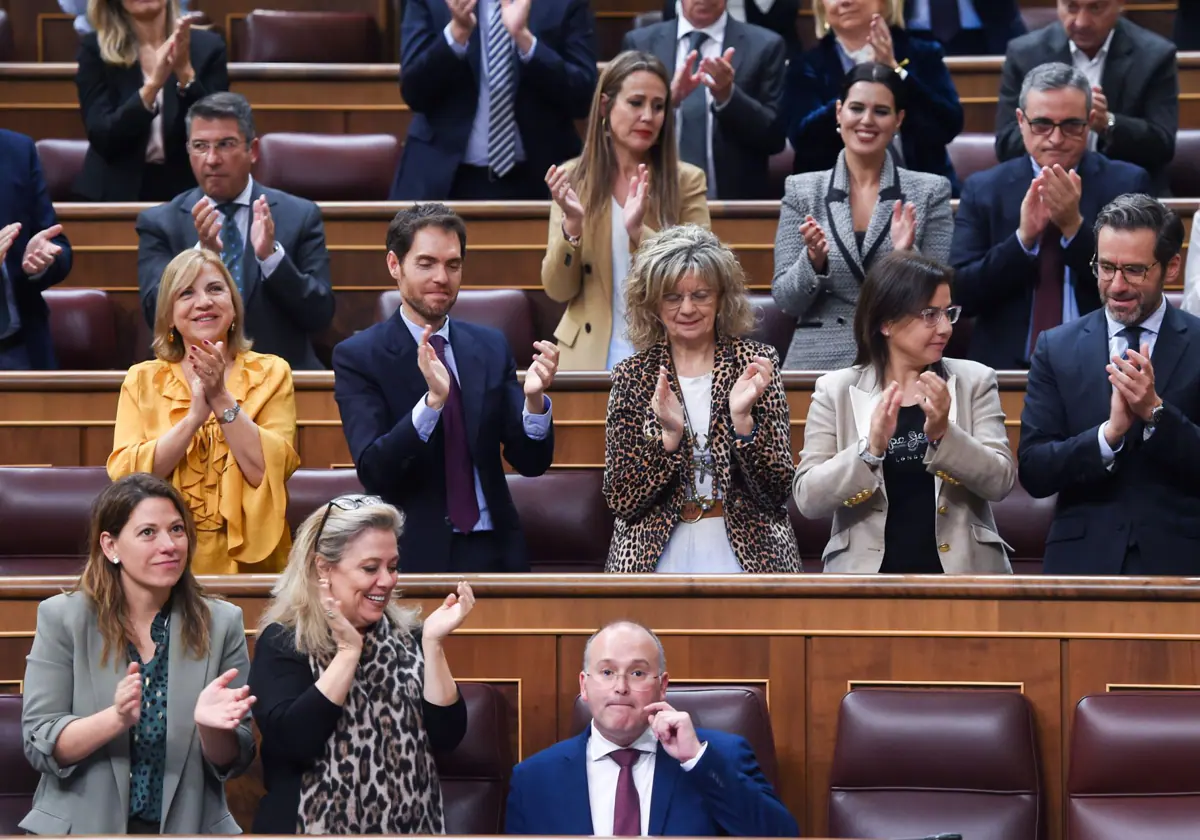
689	516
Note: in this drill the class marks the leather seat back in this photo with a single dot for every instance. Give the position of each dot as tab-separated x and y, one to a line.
566	522
19	780
311	37
62	162
507	310
83	328
328	167
475	774
53	506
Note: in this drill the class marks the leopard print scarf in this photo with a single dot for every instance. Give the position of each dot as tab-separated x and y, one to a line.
377	775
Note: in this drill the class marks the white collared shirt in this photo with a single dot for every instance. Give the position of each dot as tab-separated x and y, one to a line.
1093	68
711	48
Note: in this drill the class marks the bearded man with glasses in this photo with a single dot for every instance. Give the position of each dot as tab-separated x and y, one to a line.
1111	410
1023	238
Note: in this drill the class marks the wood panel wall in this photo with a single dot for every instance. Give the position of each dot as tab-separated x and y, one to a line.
806	642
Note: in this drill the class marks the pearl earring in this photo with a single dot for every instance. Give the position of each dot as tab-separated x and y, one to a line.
114	560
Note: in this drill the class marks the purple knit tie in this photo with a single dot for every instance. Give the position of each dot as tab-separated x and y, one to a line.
627	815
460	472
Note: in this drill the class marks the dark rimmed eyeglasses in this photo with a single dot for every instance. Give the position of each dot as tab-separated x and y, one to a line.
1044	127
1134	273
350	502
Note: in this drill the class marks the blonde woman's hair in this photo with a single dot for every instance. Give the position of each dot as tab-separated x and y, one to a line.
597	167
180	274
101	578
114	30
893	13
666	258
296	600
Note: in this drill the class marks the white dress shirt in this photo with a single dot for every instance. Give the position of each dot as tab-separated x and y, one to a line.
602	773
487	13
1117	345
1093	68
711	48
425	419
619	346
241	218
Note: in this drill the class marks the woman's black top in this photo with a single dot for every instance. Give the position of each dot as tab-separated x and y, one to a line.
910	535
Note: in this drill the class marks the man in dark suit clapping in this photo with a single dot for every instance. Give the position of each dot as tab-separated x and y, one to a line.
272	243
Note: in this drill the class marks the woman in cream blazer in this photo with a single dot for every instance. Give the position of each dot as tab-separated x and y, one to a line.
627	184
947	451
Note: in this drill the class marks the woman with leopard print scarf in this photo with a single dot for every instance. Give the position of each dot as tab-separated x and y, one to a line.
697	459
354	692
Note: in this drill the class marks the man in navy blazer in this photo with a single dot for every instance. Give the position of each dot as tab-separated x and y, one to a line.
1112	407
459	144
975	27
1006	213
641	766
34	255
430	403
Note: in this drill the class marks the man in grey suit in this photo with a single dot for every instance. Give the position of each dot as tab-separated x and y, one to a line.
272	243
727	87
1132	73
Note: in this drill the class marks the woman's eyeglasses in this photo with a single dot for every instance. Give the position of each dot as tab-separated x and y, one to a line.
351	502
933	315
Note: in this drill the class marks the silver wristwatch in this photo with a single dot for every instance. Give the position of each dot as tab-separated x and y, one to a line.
230	414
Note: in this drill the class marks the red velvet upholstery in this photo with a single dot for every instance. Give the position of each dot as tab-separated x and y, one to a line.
475	774
736	709
19	780
971	153
507	310
772	325
567	524
311	37
53	507
309	489
1183	172
914	763
83	327
1133	769
62	161
328	167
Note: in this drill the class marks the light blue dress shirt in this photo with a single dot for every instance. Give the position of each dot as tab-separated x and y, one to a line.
425	419
1070	310
1117	345
488	15
921	19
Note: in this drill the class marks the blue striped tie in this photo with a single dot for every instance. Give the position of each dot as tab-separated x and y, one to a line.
502	92
234	245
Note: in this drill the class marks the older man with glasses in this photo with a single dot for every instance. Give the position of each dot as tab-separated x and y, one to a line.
1112	407
1022	237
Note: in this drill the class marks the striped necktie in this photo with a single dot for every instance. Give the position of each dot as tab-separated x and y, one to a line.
502	92
234	245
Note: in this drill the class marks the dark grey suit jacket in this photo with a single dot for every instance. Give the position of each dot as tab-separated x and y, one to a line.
749	129
1141	82
282	311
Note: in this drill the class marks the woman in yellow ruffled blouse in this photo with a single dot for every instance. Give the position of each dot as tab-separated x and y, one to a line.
214	418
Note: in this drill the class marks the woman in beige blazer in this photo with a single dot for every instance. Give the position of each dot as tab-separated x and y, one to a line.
905	449
136	710
629	173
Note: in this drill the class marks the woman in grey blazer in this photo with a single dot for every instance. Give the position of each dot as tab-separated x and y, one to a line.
833	225
906	448
136	709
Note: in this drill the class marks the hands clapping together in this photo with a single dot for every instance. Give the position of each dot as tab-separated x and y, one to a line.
716	74
933	395
217	707
1133	396
40	252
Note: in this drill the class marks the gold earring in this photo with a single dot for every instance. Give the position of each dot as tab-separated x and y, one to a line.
171	336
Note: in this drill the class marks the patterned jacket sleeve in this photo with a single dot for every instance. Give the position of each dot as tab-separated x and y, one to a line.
766	461
638	470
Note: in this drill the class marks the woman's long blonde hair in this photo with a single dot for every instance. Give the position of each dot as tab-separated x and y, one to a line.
101	579
180	274
296	599
593	176
114	30
893	13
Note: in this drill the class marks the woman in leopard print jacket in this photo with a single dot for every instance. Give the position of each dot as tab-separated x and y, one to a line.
698	459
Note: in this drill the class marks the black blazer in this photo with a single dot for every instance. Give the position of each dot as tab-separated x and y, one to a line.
1141	82
749	129
282	313
377	383
780	19
1001	21
1151	492
296	722
25	199
118	124
554	89
994	278
933	117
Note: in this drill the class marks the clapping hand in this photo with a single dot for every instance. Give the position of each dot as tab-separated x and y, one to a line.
437	377
746	392
883	420
208	221
1061	191
558	180
816	243
1098	118
636	202
687	78
717	74
1133	378
207	361
674	730
127	700
880	39
8	235
344	635
462	19
1035	214
669	411
540	375
450	615
41	251
182	60
935	402
222	707
262	228
904	226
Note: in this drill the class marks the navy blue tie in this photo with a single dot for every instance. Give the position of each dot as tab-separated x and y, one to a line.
234	247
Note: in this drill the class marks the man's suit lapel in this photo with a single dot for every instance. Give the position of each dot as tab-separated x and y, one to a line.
1059	45
735	37
403	347
472	368
251	274
666	774
1094	391
187	227
104	687
1116	68
1169	348
571	792
664	47
186	683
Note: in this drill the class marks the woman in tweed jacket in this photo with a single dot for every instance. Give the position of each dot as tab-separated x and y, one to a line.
835	224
